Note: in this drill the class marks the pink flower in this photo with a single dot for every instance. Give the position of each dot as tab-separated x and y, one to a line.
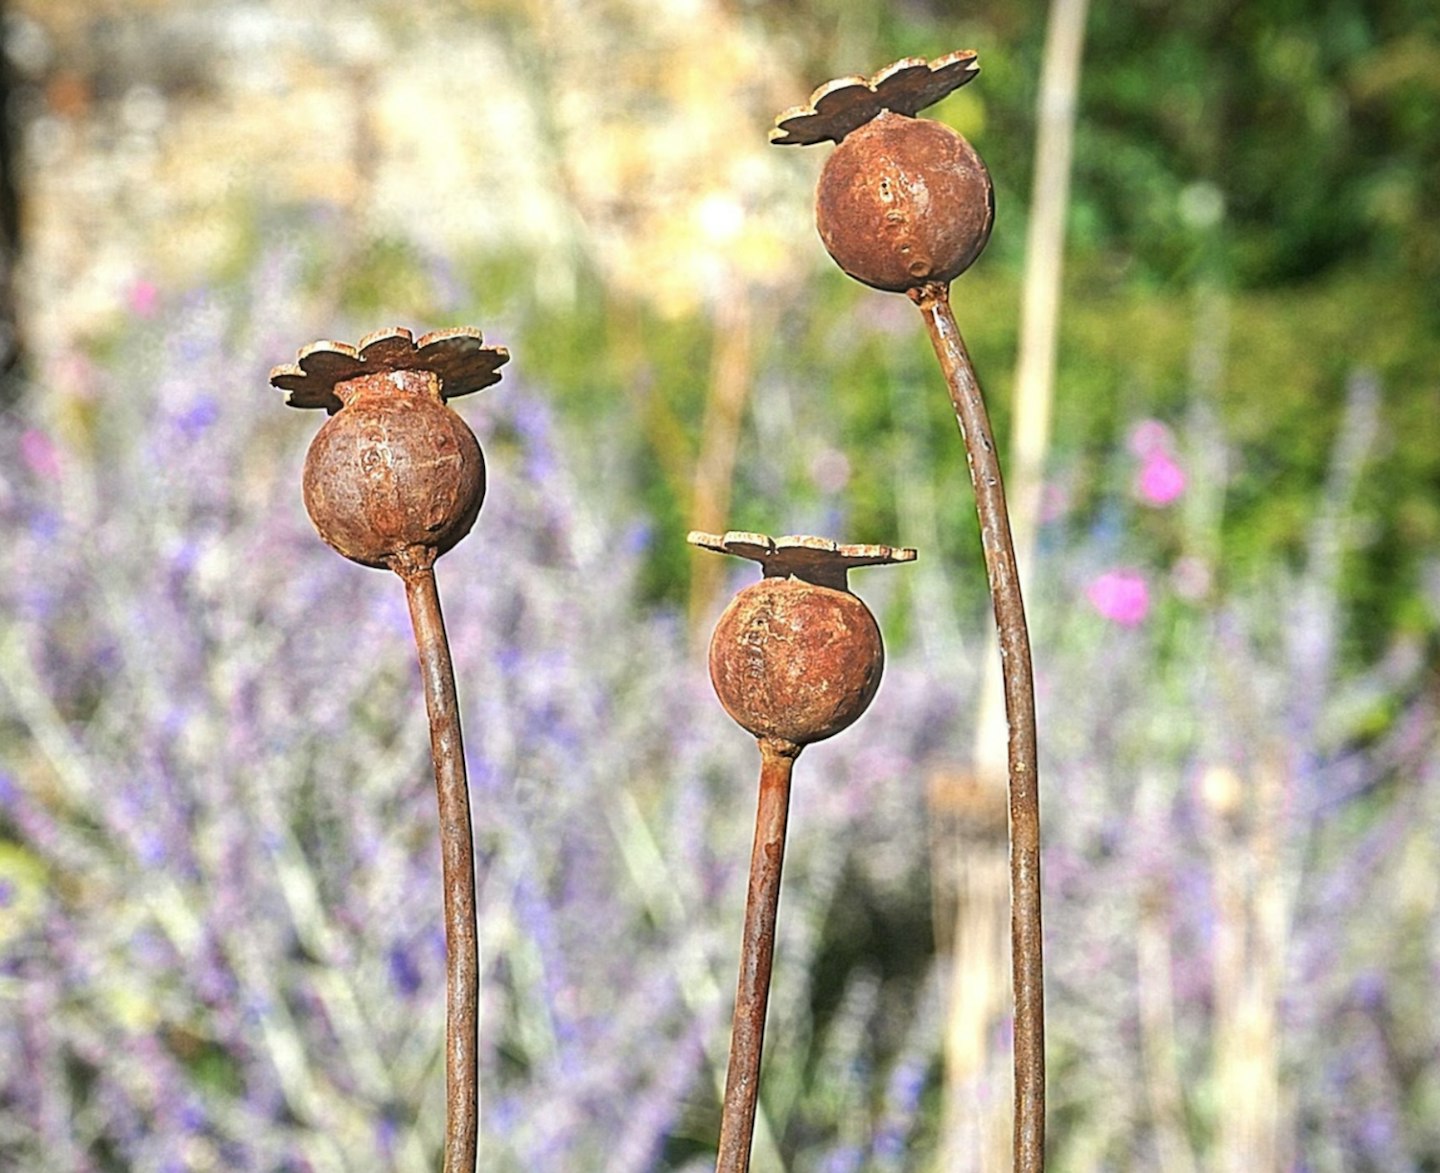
1121	596
830	470
143	299
39	453
1160	481
1149	436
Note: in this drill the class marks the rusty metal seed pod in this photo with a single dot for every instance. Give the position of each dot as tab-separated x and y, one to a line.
903	201
905	205
394	475
394	479
394	470
795	658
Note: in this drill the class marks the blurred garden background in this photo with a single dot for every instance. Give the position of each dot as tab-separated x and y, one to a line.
220	941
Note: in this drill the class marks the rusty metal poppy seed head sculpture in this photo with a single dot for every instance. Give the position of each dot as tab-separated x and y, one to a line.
795	658
394	479
903	200
905	204
394	476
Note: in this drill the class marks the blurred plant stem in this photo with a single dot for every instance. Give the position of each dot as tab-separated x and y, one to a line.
1252	911
699	475
1159	1049
968	855
653	876
10	346
662	428
1026	932
1203	506
732	369
977	1003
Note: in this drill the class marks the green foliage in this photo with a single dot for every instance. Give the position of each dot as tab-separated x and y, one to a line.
1282	160
1285	158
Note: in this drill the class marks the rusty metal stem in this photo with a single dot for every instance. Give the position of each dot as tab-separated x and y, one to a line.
757	952
1025	925
457	855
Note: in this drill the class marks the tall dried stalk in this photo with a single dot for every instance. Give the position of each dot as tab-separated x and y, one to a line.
978	986
728	391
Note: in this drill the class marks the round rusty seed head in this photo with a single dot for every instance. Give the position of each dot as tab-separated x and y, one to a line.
795	661
394	478
904	202
394	472
796	657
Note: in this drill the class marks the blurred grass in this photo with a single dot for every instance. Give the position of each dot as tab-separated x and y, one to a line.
1125	353
1283	162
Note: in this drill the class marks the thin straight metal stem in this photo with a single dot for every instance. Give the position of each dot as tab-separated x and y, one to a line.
757	952
1027	956
457	855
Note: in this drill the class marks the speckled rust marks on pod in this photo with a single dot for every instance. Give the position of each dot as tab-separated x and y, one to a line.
796	657
395	478
796	661
903	202
393	471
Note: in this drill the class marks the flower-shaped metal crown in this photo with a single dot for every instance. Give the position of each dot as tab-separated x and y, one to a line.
847	103
458	357
817	560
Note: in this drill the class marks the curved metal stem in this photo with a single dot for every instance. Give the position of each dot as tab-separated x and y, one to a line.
457	854
757	952
1027	957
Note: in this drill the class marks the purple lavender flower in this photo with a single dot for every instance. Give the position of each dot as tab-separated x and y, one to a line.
222	929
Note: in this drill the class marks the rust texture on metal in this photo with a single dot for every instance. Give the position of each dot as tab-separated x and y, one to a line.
394	474
904	201
818	560
1026	935
840	106
457	861
795	658
757	954
394	470
394	479
458	357
905	207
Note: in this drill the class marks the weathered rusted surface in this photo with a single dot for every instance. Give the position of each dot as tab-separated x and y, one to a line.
1026	931
818	560
394	469
457	862
394	479
906	207
757	955
904	201
795	658
458	357
840	106
796	661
